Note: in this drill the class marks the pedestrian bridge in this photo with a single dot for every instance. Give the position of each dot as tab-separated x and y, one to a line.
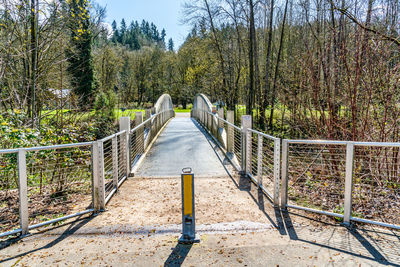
246	182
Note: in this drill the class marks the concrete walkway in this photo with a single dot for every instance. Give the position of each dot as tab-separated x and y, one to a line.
237	226
183	143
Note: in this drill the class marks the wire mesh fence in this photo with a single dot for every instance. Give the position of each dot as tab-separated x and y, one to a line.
9	198
376	183
59	182
316	176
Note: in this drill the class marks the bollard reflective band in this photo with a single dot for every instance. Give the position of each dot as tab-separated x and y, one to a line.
187	195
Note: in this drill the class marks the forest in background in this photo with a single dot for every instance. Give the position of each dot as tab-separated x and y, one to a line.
326	69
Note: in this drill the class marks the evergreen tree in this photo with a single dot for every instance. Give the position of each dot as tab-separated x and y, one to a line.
123	32
80	52
170	45
163	34
155	35
115	35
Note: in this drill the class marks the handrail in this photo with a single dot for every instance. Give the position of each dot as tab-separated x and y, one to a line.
39	148
264	134
105	139
148	120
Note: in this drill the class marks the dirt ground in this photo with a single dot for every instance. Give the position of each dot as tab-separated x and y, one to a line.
237	225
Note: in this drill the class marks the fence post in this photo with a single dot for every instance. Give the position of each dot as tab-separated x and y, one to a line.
246	148
285	165
23	191
348	188
102	194
277	168
115	161
125	125
221	115
96	175
260	160
206	124
215	126
230	134
139	132
147	116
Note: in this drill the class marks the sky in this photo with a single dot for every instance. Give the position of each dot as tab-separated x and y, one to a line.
163	13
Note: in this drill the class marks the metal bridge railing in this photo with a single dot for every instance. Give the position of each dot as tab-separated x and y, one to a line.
356	181
352	181
44	185
251	152
263	162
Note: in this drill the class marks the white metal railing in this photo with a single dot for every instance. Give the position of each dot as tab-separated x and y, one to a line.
43	185
356	181
263	162
353	181
251	152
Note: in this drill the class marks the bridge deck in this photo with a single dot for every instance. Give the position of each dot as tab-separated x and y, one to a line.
181	144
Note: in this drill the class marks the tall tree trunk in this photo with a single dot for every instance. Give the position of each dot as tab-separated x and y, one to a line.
33	52
277	67
217	45
250	96
267	69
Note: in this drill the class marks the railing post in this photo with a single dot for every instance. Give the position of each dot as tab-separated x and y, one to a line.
207	124
102	194
230	133
246	148
260	160
285	166
125	125
115	161
221	115
215	126
348	188
23	191
98	171
139	132
147	116
277	169
248	152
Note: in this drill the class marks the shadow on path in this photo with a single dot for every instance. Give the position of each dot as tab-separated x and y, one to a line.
178	255
72	228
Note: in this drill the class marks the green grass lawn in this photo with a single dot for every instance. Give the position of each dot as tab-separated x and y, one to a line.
181	110
128	113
